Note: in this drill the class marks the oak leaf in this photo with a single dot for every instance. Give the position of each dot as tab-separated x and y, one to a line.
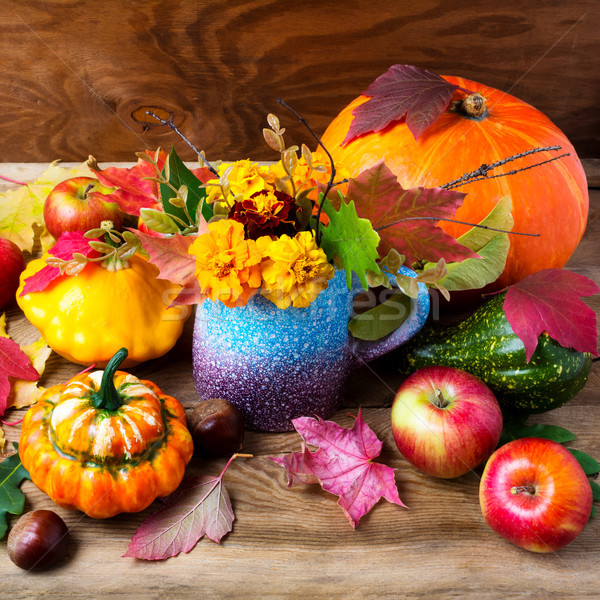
406	219
352	239
402	91
200	506
342	465
549	301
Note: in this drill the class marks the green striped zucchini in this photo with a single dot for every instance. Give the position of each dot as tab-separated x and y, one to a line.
485	345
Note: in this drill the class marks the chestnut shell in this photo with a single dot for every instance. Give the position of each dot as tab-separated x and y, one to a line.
38	540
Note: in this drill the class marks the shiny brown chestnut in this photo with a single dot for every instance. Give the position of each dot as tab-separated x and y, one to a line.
38	540
217	427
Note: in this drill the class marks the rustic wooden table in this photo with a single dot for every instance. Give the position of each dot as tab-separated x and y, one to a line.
296	543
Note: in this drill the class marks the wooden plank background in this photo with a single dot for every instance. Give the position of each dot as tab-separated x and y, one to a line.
73	72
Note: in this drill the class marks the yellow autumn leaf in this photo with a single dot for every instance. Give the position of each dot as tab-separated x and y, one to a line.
2	439
25	393
3	326
22	209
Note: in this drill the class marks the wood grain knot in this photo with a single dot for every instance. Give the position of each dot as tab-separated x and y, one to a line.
140	115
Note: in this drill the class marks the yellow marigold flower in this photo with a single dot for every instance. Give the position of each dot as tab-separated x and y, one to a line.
295	270
304	177
245	178
227	265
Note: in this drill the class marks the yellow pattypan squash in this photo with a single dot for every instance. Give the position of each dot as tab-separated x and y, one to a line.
87	317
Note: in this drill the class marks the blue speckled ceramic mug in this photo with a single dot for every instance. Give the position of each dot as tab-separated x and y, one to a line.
276	365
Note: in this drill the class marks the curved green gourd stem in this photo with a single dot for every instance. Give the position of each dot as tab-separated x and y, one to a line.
107	397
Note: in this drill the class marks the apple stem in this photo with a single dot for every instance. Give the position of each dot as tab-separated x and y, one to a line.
440	401
519	489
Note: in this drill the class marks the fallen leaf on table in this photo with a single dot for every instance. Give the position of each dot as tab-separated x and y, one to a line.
342	465
13	363
22	209
402	91
200	506
12	499
25	393
549	301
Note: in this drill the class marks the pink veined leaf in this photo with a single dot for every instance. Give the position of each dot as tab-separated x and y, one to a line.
200	506
403	90
342	465
379	197
134	190
67	244
13	363
549	301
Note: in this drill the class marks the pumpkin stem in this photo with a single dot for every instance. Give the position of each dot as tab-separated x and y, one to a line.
107	397
473	106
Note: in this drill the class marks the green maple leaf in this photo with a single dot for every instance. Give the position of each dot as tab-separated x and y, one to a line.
12	499
352	239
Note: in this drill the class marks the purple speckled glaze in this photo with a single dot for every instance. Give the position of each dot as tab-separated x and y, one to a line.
276	365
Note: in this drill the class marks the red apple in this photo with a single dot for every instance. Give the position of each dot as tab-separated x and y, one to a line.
445	421
12	263
534	493
77	204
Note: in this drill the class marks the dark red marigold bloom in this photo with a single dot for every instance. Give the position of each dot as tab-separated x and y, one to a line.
268	212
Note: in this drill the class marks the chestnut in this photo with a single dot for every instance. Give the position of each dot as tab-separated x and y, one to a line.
217	427
38	540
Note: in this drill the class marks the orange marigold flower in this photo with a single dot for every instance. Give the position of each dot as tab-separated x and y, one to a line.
227	265
295	270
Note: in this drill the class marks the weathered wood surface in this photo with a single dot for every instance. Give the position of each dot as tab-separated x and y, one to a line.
74	72
296	543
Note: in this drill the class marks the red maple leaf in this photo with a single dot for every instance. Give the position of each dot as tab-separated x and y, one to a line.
170	255
13	363
406	219
549	301
134	190
67	244
342	465
403	90
204	174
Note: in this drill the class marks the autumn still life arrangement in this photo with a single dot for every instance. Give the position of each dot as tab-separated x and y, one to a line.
425	194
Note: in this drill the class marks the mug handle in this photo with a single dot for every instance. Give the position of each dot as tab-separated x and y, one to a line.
365	350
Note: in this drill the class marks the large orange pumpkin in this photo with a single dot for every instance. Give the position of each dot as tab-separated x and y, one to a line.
551	200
